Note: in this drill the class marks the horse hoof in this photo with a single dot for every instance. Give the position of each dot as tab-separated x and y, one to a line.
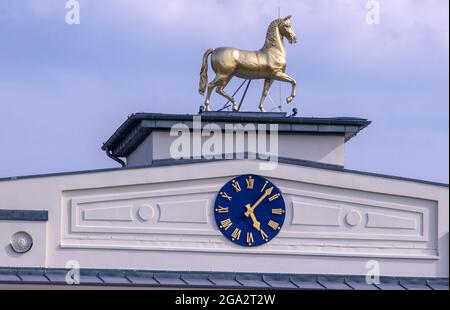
207	108
235	108
262	109
289	99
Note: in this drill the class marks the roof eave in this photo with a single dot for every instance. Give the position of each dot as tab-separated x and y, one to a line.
352	126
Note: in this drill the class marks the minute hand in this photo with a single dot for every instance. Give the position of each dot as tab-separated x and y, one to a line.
266	193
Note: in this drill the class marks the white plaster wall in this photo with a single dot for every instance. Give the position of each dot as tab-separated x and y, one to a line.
324	149
410	236
321	148
143	154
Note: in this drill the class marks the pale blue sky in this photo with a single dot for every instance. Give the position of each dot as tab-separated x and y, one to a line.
64	88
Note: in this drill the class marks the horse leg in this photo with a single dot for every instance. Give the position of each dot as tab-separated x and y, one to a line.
211	86
220	90
267	84
281	76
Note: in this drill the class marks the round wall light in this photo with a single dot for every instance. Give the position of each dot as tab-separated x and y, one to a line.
21	242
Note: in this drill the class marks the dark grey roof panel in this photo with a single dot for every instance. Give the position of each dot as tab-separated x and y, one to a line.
33	276
390	284
279	281
90	280
415	284
57	276
307	282
196	279
90	277
142	278
250	280
114	278
169	278
224	280
439	284
334	283
9	275
359	283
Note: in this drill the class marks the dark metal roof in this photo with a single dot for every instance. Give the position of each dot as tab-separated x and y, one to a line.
291	161
188	279
138	126
23	215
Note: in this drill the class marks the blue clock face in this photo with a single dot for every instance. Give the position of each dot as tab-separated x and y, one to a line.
249	210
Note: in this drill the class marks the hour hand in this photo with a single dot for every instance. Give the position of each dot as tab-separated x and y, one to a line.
256	224
250	213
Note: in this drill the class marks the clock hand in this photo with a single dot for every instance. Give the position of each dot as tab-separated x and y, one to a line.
256	223
266	193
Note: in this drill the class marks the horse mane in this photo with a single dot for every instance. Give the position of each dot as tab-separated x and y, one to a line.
271	36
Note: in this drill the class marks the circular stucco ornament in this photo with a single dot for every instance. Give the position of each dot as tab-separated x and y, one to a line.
353	218
145	212
21	242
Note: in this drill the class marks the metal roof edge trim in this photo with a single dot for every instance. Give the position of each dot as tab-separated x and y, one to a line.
283	160
205	279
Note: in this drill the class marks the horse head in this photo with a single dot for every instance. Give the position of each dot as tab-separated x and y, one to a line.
286	29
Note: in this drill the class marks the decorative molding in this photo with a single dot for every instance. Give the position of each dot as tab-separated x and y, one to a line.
322	221
153	212
146	212
378	220
194	211
315	214
108	214
353	218
408	214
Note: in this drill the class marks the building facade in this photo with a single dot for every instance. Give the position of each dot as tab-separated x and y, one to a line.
153	222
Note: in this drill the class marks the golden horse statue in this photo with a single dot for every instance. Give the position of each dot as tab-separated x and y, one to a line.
268	63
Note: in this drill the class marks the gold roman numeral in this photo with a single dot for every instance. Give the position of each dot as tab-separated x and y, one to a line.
278	211
236	186
225	224
225	195
250	182
236	234
222	209
274	225
264	235
264	186
273	197
250	238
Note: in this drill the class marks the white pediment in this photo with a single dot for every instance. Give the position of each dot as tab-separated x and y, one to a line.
161	218
322	218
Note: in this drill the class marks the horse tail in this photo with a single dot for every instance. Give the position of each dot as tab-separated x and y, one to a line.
204	72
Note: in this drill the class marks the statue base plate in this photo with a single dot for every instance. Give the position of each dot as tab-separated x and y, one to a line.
245	114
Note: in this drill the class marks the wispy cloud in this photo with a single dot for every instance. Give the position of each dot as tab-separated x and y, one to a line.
406	25
144	55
